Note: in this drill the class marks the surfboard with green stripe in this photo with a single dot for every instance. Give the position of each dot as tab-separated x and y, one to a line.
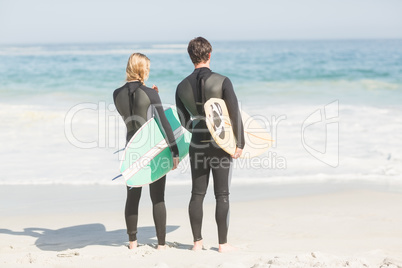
147	157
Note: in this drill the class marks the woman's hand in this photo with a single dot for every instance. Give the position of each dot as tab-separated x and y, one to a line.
175	162
237	153
156	88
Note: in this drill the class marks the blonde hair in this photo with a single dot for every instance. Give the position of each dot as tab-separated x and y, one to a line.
138	67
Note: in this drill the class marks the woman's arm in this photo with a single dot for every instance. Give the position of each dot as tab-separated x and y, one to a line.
166	128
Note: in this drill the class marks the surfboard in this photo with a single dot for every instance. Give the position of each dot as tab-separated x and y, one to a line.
257	138
147	156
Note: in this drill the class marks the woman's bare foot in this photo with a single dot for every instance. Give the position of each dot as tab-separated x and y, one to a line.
161	247
197	245
132	244
226	248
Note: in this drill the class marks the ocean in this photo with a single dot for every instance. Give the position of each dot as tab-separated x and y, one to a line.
333	108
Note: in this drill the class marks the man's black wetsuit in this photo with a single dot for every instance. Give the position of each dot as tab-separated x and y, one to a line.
137	103
205	154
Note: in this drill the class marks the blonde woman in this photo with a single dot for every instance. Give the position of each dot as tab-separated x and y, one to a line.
137	103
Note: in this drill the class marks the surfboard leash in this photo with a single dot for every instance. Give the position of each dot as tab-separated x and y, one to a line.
117	177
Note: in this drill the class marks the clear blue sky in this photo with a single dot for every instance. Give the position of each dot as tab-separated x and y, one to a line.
82	21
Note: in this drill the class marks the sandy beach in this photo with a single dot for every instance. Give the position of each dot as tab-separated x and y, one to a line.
318	225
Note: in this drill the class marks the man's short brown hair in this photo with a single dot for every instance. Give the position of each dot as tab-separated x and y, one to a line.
199	49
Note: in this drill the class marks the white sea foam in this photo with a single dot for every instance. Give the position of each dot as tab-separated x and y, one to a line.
369	84
351	90
40	147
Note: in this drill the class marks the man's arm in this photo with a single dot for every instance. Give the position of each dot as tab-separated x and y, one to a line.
184	115
230	99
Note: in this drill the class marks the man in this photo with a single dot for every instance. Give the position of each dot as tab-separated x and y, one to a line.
205	154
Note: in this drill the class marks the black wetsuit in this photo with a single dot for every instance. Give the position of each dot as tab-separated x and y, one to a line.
205	154
137	103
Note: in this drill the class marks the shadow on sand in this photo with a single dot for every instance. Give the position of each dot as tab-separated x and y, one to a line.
80	236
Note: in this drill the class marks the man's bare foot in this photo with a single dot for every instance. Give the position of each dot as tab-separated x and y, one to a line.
161	247
197	245
226	248
132	244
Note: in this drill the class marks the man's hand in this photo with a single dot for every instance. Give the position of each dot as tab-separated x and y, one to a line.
175	162
237	153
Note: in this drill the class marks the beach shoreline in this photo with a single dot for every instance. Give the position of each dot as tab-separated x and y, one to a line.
76	226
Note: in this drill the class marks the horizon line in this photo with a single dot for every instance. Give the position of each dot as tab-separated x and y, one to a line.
211	39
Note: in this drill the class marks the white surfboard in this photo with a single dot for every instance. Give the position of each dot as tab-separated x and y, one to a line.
257	138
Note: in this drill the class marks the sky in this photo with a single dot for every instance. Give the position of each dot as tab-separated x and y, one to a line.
89	21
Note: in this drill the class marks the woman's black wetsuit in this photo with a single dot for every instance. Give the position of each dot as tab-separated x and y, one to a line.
205	154
137	103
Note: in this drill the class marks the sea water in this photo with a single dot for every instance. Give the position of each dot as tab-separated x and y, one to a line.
333	108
